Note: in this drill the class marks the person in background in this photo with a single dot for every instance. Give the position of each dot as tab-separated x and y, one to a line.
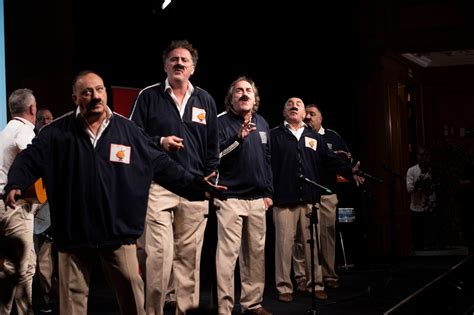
423	198
45	282
43	118
244	168
97	167
16	221
182	119
297	151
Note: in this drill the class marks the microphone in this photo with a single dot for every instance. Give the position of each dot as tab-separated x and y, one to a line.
305	179
393	173
368	176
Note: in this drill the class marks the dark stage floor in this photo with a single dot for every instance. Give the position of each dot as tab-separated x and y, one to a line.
426	285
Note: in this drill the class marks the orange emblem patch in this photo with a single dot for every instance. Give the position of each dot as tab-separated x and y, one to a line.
311	143
120	154
199	115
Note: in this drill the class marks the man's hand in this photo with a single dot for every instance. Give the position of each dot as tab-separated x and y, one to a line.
268	202
172	143
12	196
246	128
346	156
358	179
213	190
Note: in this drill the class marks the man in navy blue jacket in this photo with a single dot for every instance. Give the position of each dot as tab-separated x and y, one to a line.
244	138
182	119
298	150
328	206
97	167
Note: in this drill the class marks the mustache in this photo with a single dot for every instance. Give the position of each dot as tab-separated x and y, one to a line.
179	67
94	102
293	108
244	98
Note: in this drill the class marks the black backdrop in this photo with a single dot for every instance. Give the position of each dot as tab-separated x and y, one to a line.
313	50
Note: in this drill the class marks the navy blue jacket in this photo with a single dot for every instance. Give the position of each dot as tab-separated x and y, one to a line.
96	200
308	157
245	163
155	111
335	143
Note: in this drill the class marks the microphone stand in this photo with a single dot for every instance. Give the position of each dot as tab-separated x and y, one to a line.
313	233
368	176
394	176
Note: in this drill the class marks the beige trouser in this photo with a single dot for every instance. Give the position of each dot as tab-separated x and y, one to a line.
121	268
298	256
16	225
241	230
327	225
174	227
286	221
141	253
45	269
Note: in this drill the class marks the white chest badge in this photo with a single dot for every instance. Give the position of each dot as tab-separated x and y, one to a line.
311	143
120	153
199	115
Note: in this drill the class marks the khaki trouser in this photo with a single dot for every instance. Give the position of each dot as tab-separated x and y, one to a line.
286	221
174	234
327	224
299	265
241	230
121	268
16	225
327	216
141	253
47	258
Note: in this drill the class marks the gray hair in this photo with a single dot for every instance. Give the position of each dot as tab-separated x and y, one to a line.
20	100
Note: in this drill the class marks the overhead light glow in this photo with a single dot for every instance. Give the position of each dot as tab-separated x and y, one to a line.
165	4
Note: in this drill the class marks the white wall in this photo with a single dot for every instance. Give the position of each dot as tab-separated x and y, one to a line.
3	96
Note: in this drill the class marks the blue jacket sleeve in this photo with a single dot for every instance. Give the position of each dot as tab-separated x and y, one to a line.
212	152
26	167
333	162
172	176
140	112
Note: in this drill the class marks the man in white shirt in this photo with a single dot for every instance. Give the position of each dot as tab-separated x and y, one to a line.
16	225
420	186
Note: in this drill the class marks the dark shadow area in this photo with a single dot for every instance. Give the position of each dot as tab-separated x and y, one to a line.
419	285
450	293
